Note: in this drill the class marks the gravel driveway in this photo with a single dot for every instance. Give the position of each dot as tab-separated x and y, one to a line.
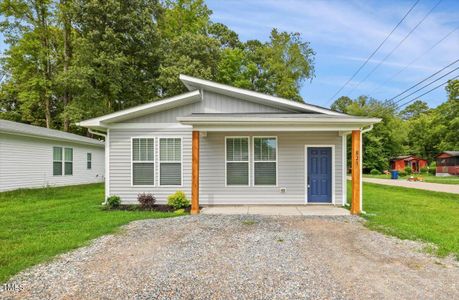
243	257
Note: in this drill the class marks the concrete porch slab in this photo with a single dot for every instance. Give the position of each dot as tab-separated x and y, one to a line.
277	210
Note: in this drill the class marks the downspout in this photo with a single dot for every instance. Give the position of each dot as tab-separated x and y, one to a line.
362	131
107	161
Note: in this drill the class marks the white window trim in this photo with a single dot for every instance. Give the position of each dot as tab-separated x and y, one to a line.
276	161
159	160
64	156
148	161
242	161
61	161
333	167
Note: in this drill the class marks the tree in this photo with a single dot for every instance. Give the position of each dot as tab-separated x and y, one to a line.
414	110
341	104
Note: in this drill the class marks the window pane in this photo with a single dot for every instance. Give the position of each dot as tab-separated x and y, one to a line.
265	173
57	153
68	168
68	154
88	165
237	173
237	149
143	149
57	168
143	173
265	149
171	174
89	156
170	149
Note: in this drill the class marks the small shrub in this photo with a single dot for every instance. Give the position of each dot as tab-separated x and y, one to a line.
408	170
402	173
375	172
433	171
178	200
146	200
424	170
113	201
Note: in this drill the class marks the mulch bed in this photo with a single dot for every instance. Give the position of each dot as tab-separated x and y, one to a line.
156	207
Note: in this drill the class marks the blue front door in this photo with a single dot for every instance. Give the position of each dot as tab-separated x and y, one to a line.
319	174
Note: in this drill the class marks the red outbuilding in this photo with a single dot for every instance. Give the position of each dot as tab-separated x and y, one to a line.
415	163
447	163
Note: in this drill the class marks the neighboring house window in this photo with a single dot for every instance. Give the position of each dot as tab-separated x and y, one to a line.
68	161
89	161
170	161
57	161
237	161
143	166
265	160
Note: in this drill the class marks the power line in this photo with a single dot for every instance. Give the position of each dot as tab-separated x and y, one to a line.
374	52
396	47
427	78
417	97
424	86
413	61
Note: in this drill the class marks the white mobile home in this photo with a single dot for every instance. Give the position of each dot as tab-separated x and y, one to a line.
226	145
32	156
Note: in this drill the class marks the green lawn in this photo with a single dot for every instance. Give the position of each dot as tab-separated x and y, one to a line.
426	177
37	224
413	214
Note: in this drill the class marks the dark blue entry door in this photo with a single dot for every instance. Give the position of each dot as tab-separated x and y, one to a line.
319	174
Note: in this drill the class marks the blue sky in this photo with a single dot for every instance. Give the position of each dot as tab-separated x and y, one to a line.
344	33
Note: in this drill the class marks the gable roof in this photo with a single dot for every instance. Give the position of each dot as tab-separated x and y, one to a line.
144	109
450	153
16	128
193	83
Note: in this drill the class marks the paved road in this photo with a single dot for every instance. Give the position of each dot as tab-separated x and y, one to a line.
437	187
243	257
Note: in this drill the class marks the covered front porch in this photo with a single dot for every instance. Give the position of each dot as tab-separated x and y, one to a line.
297	135
276	210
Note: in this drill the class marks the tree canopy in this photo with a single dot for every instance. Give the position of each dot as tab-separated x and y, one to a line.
70	60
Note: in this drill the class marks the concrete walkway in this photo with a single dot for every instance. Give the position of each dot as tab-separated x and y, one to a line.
276	210
436	187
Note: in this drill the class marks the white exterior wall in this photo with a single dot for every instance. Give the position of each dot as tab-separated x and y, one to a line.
27	162
291	167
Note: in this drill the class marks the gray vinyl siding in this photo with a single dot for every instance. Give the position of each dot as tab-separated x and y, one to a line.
120	165
291	167
27	162
211	103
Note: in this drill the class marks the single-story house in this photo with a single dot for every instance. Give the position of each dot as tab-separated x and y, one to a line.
447	163
230	146
399	163
32	156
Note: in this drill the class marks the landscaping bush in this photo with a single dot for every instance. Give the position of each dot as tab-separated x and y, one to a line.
408	170
146	200
424	170
178	200
375	172
113	201
402	173
433	171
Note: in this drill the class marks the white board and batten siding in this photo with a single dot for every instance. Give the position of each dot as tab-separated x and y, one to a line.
27	162
213	190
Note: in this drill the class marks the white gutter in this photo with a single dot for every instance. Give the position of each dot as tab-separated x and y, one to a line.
362	131
107	162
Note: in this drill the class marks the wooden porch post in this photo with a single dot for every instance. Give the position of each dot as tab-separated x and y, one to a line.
195	174
356	172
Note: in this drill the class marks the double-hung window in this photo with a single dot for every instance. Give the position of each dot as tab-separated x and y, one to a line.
89	161
143	161
57	161
265	160
237	161
170	161
68	161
